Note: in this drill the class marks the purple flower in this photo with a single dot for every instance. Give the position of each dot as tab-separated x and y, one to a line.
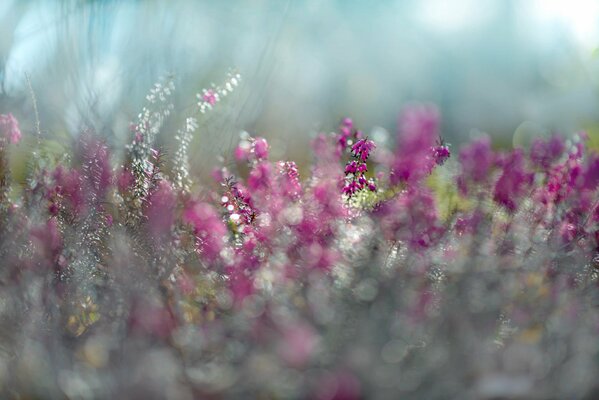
441	154
160	209
418	132
362	148
514	183
208	228
410	217
476	160
544	152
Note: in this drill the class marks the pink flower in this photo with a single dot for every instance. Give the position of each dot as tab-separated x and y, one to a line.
362	148
160	209
411	217
208	228
298	344
514	183
260	176
440	154
209	97
476	160
96	164
418	132
9	127
68	186
289	180
261	148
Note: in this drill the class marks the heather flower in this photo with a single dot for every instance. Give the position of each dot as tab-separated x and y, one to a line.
343	137
590	179
261	148
268	277
95	160
355	170
418	132
160	209
48	241
125	180
289	180
440	154
544	152
362	148
237	202
411	217
260	176
514	183
476	161
68	187
210	96
208	228
9	128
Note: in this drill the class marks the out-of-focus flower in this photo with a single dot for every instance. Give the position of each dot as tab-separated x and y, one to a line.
160	209
476	160
208	228
544	152
9	128
418	132
514	183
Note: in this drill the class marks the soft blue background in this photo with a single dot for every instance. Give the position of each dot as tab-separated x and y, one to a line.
491	65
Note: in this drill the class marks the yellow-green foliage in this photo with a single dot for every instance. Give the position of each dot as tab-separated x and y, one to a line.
447	198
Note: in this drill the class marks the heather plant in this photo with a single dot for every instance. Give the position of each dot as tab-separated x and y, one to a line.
415	275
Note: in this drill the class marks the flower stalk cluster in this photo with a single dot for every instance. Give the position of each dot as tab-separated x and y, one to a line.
473	276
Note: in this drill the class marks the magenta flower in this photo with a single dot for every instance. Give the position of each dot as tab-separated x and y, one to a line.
68	187
362	148
47	241
418	132
208	228
411	217
95	160
476	161
355	170
260	176
440	154
514	183
261	148
544	152
289	180
9	128
209	97
160	209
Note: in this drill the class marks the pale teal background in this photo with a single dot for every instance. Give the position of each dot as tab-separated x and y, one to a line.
490	65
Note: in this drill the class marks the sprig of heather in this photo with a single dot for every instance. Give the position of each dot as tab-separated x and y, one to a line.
144	130
181	157
355	170
207	100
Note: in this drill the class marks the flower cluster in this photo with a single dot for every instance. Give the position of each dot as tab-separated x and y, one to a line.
210	96
473	276
355	170
9	129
